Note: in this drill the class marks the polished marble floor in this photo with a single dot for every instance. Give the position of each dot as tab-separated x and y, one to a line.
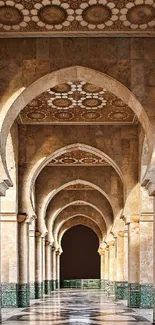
77	307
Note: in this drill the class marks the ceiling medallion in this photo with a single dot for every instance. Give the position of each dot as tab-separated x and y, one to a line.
141	14
63	116
52	14
10	15
91	115
35	103
118	116
118	103
97	14
62	102
63	88
36	116
89	88
92	102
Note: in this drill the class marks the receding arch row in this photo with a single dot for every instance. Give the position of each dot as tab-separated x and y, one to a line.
37	168
41	218
78	220
14	105
53	225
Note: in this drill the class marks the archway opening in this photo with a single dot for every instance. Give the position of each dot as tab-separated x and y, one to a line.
80	259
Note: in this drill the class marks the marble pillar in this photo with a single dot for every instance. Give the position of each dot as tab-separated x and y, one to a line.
146	261
48	267
134	264
23	254
112	267
57	269
53	268
43	263
106	268
9	259
153	259
0	266
32	259
120	285
39	265
102	270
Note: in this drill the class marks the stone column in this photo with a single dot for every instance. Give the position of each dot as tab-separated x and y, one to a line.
106	269
146	261
102	268
9	259
57	269
134	263
43	263
23	253
112	267
153	259
32	259
126	254
39	265
120	285
53	268
48	267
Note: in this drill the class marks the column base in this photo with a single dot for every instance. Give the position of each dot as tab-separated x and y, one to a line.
112	288
23	295
32	290
38	290
9	295
103	285
146	296
133	295
47	287
121	290
53	285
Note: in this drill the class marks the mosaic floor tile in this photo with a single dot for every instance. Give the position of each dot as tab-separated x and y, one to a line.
77	307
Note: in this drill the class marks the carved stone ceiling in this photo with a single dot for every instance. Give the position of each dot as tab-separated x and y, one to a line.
77	102
78	187
78	158
77	17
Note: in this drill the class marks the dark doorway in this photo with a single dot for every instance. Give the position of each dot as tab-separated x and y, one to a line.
80	259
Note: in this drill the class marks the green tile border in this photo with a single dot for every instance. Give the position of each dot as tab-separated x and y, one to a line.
53	285
112	288
47	286
133	295
32	290
38	290
81	283
121	290
9	293
23	295
146	296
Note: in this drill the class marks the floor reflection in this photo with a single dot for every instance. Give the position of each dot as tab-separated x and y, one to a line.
77	307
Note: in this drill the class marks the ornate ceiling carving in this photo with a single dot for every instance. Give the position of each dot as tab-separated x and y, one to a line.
78	187
77	17
77	102
78	157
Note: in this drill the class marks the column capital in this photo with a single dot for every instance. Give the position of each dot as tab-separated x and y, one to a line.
38	233
150	187
101	251
47	242
120	233
21	217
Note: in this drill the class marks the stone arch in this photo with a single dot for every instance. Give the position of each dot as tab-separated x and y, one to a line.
83	220
10	110
54	192
51	221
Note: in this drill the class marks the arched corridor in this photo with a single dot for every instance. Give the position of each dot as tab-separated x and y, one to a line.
77	166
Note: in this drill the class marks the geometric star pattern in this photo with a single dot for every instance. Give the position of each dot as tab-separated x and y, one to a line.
77	102
76	17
